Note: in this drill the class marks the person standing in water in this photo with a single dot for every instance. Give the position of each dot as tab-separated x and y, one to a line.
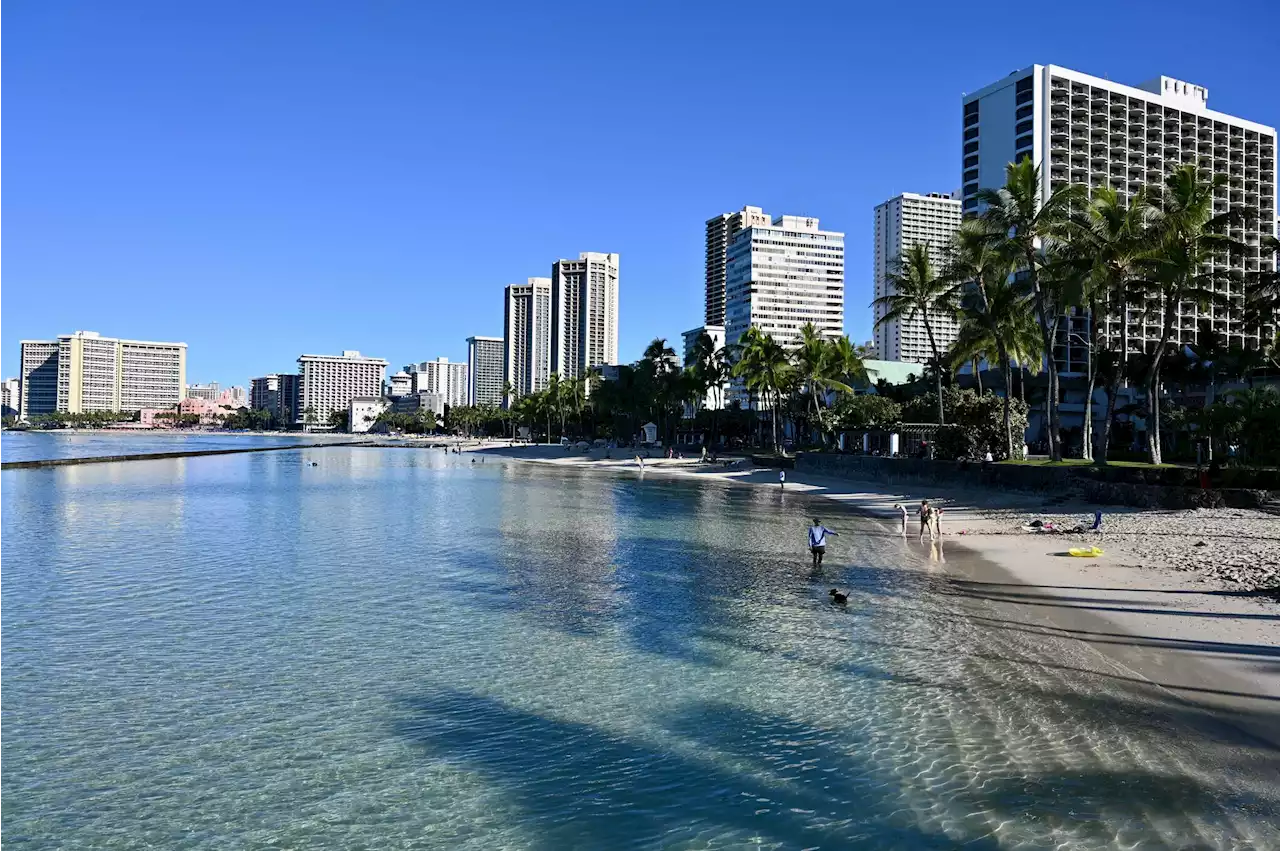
902	508
782	479
818	541
926	519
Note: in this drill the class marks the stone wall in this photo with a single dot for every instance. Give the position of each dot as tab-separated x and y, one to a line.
1151	488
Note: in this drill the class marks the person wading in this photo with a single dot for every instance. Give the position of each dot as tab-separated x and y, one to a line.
818	541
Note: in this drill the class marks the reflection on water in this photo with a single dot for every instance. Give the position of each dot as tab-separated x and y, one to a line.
44	445
400	649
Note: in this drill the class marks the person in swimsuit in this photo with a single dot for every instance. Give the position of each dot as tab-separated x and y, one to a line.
926	519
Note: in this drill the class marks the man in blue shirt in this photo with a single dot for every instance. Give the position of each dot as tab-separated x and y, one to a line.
818	541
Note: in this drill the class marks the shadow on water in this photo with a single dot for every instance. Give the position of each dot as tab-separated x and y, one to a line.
740	775
578	786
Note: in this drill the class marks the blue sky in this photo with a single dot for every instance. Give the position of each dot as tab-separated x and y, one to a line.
261	180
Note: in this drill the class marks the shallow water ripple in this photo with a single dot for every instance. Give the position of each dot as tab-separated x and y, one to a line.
397	649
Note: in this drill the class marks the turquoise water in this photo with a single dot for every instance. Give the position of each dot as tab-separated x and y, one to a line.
45	445
403	649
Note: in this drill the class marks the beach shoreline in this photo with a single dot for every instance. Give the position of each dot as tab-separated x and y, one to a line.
1197	640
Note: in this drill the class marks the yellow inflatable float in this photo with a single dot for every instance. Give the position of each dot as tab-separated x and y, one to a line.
1085	552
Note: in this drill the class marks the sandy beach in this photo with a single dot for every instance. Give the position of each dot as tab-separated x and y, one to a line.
1173	606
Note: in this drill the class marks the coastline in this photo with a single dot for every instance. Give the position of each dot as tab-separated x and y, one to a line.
1179	638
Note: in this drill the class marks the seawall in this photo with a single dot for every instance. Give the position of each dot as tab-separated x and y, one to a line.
154	456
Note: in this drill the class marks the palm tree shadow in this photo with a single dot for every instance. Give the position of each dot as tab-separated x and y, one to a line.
579	786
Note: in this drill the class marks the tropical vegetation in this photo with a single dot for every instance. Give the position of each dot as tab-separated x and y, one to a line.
1031	274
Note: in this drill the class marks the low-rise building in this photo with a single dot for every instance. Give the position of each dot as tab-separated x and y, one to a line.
364	412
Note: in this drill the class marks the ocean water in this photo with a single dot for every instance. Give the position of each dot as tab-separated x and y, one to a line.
40	445
404	649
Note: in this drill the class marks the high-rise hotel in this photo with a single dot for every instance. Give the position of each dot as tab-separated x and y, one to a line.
584	313
1094	132
901	222
720	232
527	336
84	371
782	275
484	370
328	383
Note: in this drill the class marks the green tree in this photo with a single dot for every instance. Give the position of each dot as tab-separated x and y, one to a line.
1109	238
1190	236
1022	224
995	317
915	289
766	369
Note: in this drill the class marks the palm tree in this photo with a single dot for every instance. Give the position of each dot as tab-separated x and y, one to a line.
816	369
1111	238
994	311
1022	226
1190	236
765	368
915	290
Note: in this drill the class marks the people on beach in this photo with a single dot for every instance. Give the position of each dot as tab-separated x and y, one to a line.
782	479
902	508
936	532
926	519
640	463
818	541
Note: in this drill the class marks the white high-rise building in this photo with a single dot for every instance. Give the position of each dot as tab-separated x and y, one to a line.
12	397
328	383
38	378
782	275
85	371
720	231
484	370
901	222
441	376
1086	130
584	312
527	336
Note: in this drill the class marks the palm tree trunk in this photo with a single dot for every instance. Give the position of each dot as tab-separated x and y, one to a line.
1008	397
937	362
1048	330
1153	383
1087	449
776	402
977	376
1104	442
